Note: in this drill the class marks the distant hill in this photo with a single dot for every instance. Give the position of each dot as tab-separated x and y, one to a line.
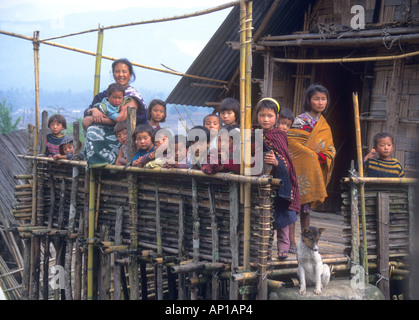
72	104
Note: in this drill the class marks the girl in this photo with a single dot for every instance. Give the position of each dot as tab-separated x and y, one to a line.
312	151
229	111
287	200
156	113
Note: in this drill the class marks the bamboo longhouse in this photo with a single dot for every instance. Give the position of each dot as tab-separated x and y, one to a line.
130	233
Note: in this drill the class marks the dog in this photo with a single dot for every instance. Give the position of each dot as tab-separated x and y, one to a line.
311	269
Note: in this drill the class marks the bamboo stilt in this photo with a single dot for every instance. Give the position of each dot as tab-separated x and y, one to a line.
158	267
361	187
247	132
91	235
133	209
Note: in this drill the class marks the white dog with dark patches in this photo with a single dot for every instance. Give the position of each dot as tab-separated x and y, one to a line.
311	269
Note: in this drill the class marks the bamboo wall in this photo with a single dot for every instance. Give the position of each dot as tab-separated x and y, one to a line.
400	208
172	235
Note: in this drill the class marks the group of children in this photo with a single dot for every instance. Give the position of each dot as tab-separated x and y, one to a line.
212	146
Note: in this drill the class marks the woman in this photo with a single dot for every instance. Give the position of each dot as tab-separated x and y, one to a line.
312	151
101	144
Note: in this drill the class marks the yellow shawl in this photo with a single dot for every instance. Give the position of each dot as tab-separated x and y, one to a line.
313	177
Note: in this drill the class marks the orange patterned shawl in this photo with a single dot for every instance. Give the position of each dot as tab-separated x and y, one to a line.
313	177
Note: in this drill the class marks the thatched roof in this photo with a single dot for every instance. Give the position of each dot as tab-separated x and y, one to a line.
11	145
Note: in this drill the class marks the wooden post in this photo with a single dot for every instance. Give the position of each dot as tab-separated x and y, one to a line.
91	234
364	251
181	248
214	238
264	240
72	215
383	220
133	209
158	266
195	236
118	241
234	237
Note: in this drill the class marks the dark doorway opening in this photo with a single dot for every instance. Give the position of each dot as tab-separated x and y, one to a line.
341	81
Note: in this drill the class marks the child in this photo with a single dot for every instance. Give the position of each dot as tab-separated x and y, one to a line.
179	154
221	158
199	137
311	147
57	124
287	200
229	111
156	160
110	105
286	119
379	163
120	130
144	143
66	150
156	113
212	122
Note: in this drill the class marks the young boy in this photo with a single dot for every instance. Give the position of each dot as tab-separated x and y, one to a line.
379	163
66	150
57	125
110	105
212	122
144	143
286	119
180	155
120	130
156	159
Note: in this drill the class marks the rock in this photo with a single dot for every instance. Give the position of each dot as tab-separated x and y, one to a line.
335	290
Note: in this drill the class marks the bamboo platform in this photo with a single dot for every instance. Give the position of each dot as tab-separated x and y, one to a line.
189	232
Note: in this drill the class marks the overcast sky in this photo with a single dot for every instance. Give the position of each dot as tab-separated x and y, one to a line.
173	44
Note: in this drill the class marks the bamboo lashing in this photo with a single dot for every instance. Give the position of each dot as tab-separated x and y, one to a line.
175	171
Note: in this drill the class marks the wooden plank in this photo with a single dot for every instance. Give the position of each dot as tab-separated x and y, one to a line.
383	213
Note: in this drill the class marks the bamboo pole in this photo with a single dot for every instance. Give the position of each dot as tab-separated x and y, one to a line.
114	59
34	284
348	60
158	266
181	248
133	208
98	60
189	15
195	235
247	131
215	242
242	70
364	257
373	180
172	171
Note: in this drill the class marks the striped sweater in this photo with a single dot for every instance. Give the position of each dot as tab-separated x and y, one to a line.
383	168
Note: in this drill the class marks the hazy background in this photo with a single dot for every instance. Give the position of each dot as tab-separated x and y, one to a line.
67	77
